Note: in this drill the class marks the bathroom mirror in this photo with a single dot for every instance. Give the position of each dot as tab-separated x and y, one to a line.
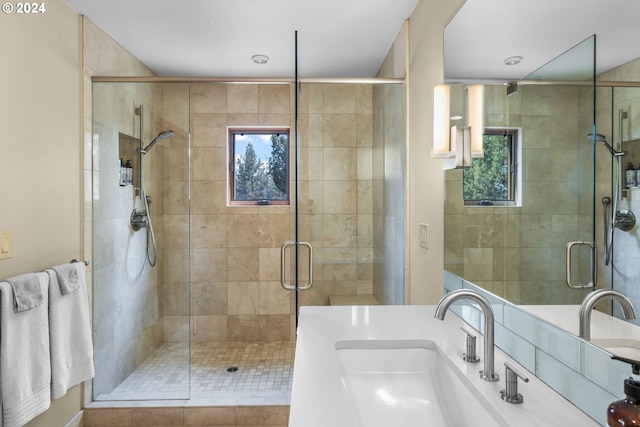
517	254
518	251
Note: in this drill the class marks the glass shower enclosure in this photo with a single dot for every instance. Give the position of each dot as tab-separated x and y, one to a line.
162	332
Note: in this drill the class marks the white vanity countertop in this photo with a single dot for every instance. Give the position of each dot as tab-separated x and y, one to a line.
318	396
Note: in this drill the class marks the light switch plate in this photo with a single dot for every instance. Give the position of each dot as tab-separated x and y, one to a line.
6	244
424	235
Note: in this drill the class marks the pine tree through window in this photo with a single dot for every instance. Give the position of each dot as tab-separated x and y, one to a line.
492	180
259	166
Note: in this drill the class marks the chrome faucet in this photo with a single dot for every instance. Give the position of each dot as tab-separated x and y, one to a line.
488	374
592	299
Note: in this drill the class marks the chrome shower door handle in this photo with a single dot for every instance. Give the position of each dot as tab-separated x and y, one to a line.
283	265
592	262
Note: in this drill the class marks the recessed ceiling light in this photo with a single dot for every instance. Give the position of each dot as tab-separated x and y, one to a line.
260	59
513	60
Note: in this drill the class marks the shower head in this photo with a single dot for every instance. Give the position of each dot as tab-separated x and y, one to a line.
597	137
162	135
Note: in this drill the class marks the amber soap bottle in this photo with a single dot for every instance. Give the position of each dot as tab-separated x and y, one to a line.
626	412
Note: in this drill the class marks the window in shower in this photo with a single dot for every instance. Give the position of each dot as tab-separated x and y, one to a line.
258	166
493	179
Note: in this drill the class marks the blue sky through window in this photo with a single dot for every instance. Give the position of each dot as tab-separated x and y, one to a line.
261	144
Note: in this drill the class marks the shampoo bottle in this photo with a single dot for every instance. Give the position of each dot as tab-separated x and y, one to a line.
129	169
626	412
630	174
122	175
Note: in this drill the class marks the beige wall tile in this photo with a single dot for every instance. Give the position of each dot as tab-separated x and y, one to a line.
243	264
209	129
244	231
262	415
209	231
274	299
340	197
210	416
275	327
152	417
270	264
207	163
209	265
243	297
209	298
242	99
208	98
107	417
340	130
209	328
208	197
340	164
244	328
339	99
274	98
274	229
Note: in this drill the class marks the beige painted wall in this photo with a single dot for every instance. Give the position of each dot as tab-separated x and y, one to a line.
40	150
426	177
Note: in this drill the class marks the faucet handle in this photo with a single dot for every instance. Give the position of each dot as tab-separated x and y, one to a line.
510	394
470	356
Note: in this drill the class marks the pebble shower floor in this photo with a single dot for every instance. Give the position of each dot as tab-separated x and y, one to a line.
263	376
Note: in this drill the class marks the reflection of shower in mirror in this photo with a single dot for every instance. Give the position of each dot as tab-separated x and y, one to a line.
623	219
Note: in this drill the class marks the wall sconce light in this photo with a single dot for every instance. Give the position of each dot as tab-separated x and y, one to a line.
458	144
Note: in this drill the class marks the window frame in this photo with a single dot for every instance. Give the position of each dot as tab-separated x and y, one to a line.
515	170
231	166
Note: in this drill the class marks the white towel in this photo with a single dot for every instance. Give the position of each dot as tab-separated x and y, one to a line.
25	369
70	331
27	292
68	277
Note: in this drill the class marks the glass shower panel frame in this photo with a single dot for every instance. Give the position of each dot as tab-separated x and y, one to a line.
352	199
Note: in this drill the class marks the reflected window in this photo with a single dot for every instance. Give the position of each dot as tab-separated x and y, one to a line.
258	166
492	180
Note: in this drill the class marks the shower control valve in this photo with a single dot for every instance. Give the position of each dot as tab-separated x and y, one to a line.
138	219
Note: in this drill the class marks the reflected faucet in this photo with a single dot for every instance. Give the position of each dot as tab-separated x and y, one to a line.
592	299
488	374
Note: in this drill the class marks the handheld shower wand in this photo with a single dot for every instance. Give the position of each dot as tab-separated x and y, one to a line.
142	219
605	215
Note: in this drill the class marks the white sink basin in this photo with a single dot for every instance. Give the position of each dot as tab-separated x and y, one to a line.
408	383
623	347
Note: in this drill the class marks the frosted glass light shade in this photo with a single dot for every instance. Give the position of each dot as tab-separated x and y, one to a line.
475	118
441	127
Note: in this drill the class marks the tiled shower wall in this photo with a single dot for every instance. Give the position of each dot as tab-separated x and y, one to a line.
519	253
125	329
235	251
626	253
126	294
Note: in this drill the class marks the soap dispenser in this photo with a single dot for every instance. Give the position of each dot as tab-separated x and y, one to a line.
626	412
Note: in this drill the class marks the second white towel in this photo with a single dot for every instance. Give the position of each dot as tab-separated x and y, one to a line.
71	344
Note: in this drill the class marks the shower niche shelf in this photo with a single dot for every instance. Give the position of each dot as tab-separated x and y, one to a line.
127	151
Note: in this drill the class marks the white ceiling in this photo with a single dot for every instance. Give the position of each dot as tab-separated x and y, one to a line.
350	38
486	32
216	38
